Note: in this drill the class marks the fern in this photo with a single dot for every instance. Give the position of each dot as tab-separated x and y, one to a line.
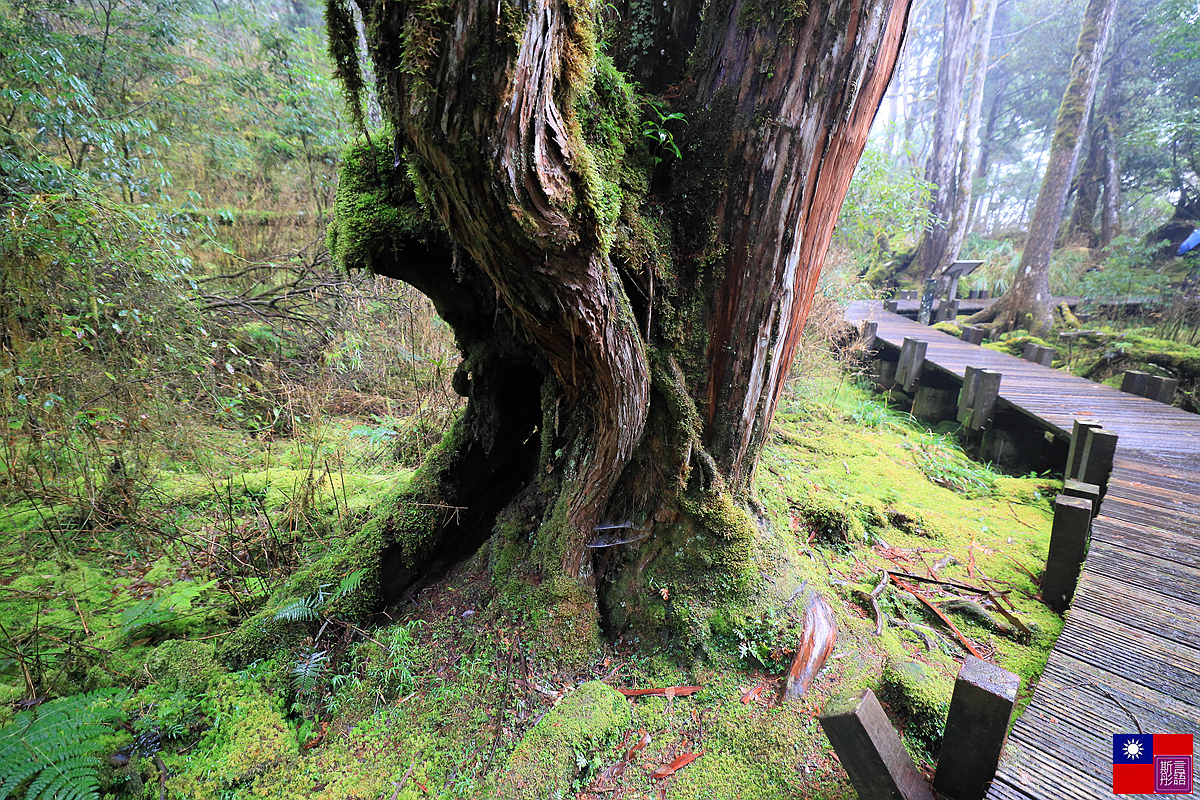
308	670
300	610
315	606
161	610
54	748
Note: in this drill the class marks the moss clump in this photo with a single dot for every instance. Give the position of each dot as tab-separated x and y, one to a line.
376	209
249	737
548	760
921	695
184	666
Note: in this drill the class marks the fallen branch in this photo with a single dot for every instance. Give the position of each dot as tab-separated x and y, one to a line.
963	586
875	593
816	644
926	634
666	691
941	615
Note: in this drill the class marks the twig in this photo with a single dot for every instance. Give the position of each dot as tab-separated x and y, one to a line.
1109	695
875	593
938	581
941	615
400	785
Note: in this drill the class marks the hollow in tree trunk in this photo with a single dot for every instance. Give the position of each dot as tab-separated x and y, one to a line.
627	276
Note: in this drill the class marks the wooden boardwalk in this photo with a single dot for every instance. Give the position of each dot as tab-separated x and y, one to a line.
1129	653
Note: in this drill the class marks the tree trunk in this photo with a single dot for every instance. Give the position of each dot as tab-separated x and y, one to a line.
940	169
1027	302
1094	177
627	287
983	15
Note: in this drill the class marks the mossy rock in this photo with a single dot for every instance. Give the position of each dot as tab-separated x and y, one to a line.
546	763
185	666
921	695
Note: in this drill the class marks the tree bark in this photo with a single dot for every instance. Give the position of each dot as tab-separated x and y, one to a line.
627	317
1027	302
983	15
940	168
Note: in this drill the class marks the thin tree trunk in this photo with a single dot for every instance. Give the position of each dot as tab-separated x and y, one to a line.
956	230
930	254
1027	302
1110	212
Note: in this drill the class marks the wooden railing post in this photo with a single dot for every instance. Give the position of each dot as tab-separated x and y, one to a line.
1078	441
1161	389
1098	452
1068	549
868	332
1134	382
870	750
977	399
912	361
976	728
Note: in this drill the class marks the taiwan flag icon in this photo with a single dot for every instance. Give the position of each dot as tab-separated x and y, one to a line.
1159	763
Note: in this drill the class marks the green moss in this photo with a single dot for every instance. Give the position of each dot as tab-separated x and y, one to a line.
547	762
184	666
375	209
249	736
921	696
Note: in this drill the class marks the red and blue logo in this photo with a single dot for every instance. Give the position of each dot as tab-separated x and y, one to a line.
1152	763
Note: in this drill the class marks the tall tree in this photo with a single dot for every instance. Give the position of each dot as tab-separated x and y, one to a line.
1027	302
983	15
941	167
627	276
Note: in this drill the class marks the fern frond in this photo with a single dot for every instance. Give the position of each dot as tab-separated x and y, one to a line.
299	610
349	584
308	669
56	745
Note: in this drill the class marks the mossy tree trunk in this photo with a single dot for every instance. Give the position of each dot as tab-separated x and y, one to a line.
1099	176
627	287
1027	303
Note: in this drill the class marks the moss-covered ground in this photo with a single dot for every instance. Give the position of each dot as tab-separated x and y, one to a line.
451	695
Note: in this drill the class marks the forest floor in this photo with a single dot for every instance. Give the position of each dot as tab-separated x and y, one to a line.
434	697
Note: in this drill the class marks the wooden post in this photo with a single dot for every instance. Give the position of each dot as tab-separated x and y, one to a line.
1045	356
1029	352
1098	452
868	332
1088	491
947	311
1068	549
912	360
926	311
976	728
971	334
884	373
977	399
892	306
966	396
1134	382
1161	389
869	749
935	404
1078	441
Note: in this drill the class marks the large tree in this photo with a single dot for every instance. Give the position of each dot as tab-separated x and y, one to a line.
626	266
1027	304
